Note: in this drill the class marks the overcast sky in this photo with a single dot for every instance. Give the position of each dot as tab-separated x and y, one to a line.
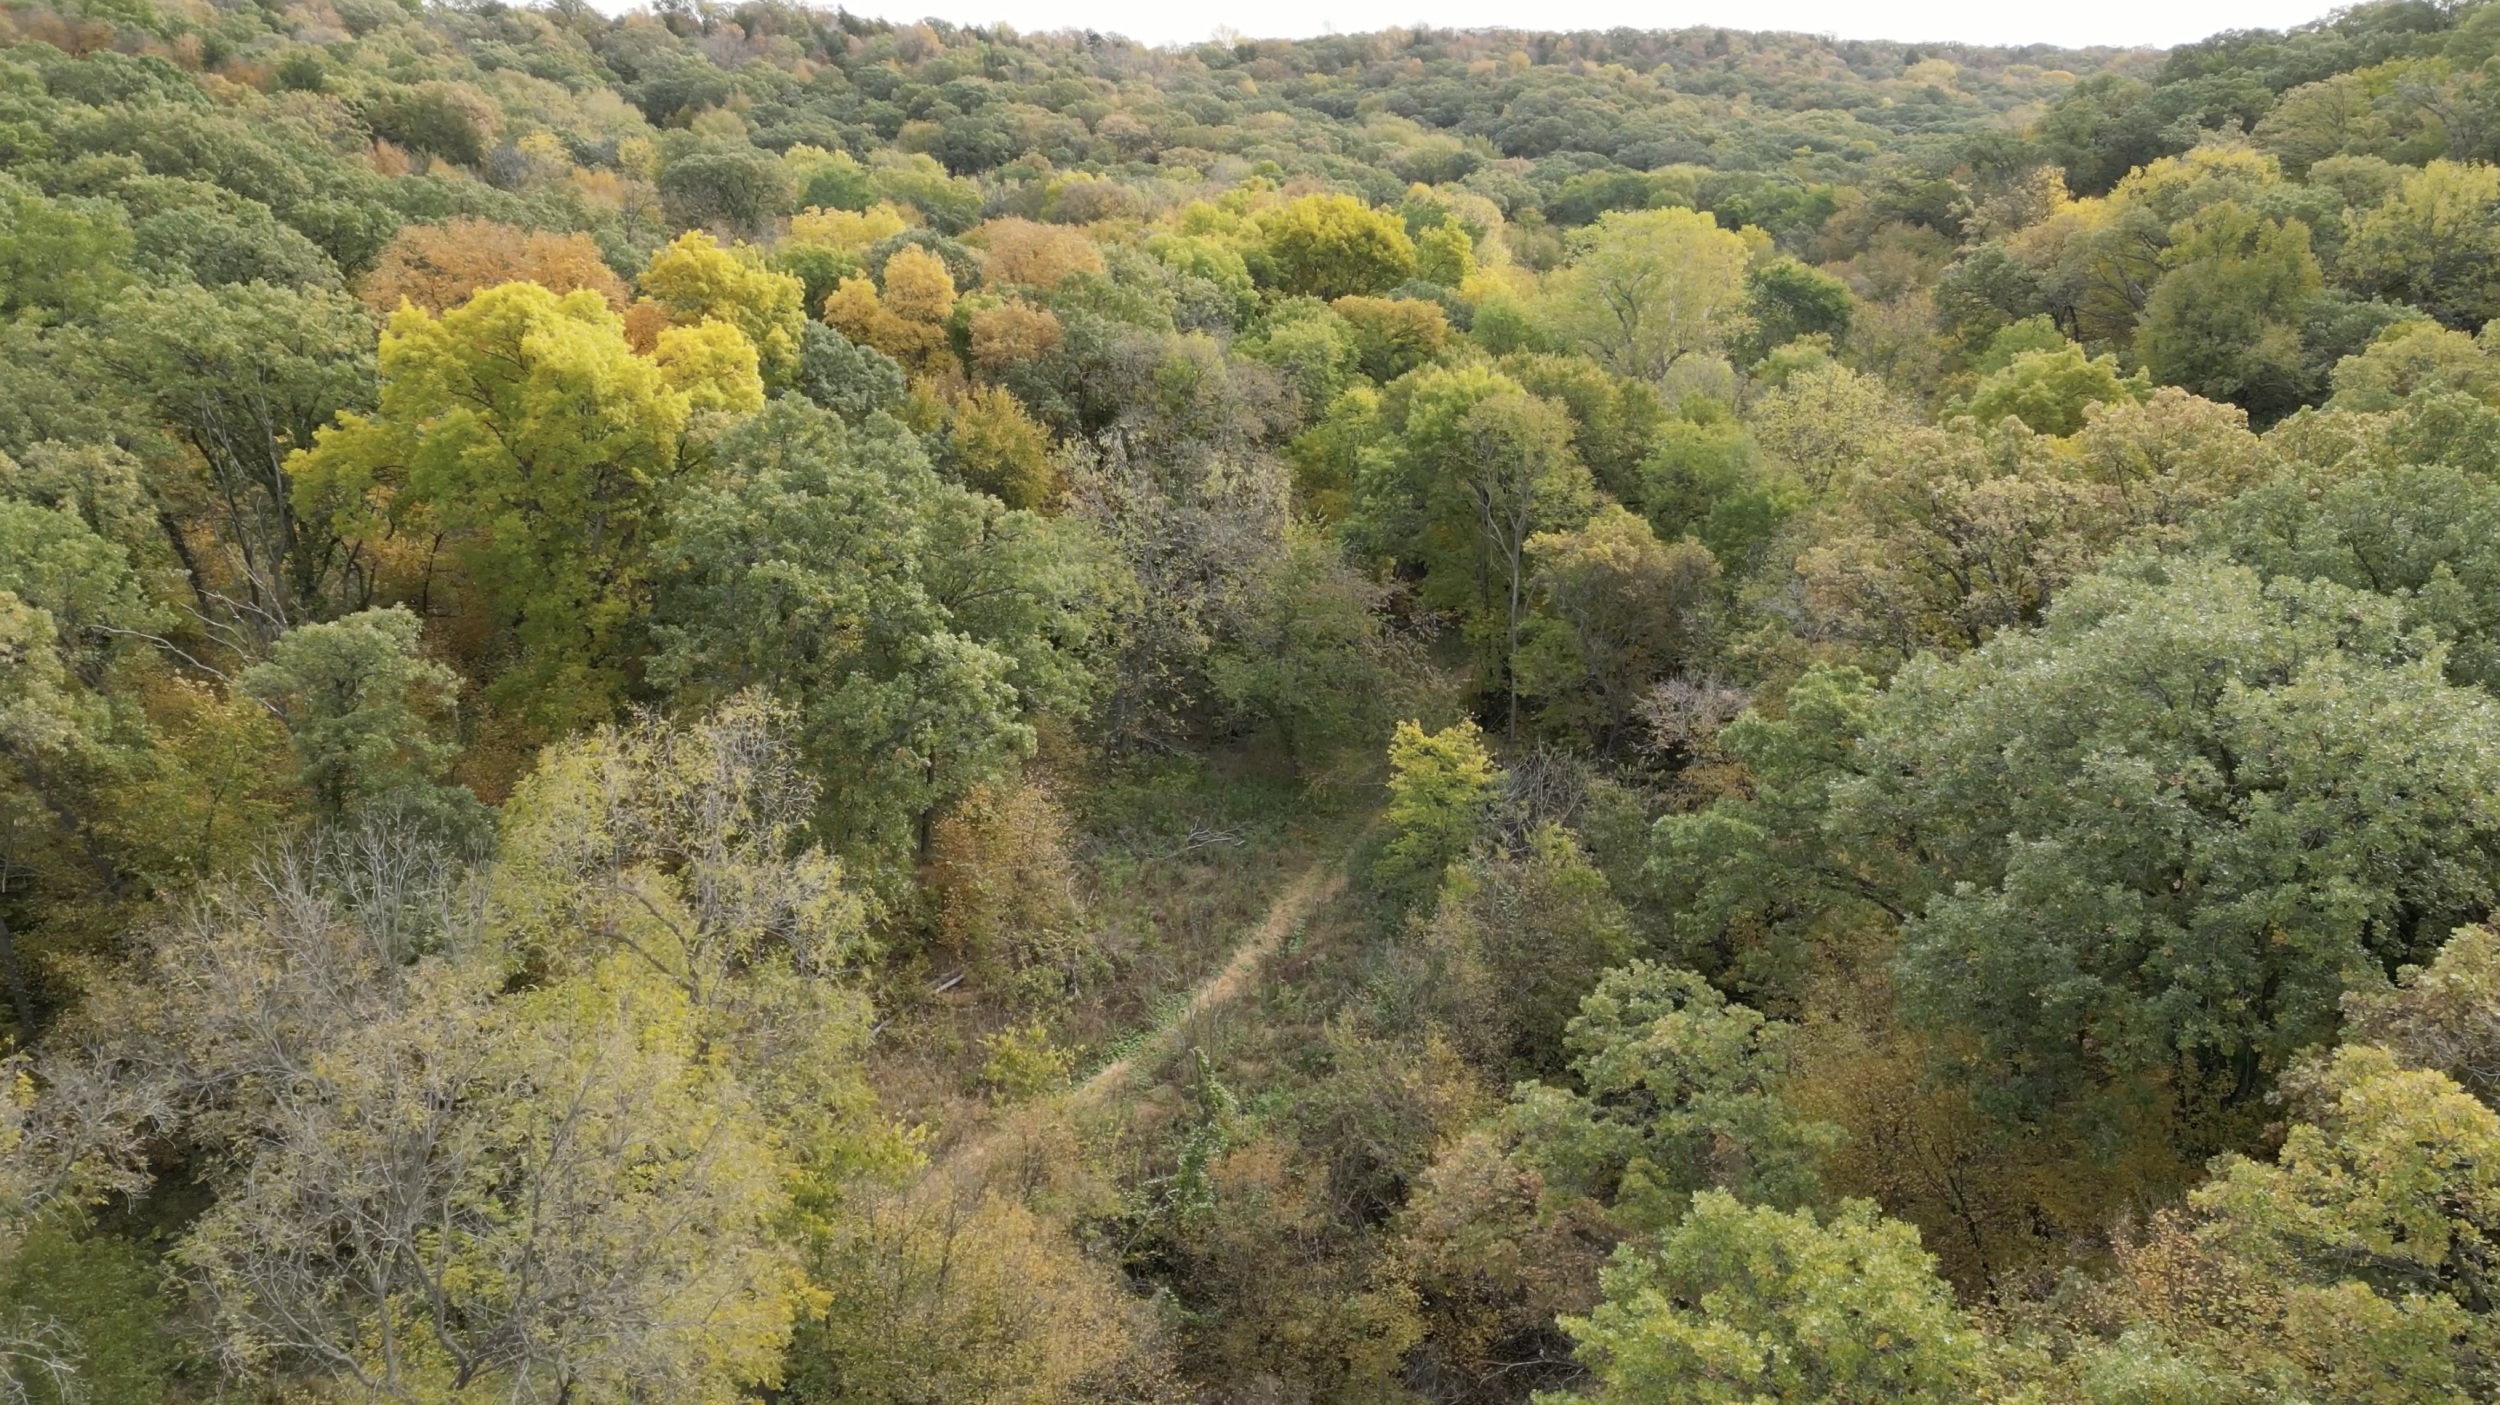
2071	22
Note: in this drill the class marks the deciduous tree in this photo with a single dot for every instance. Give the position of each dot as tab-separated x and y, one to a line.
2050	390
2064	945
2435	244
1647	288
1616	610
437	267
917	628
1334	246
522	432
907	319
2225	319
1312	660
247	376
1519	939
1440	785
1740	1305
363	707
699	281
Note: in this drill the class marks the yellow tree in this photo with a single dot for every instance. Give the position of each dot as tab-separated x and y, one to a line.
1010	333
699	281
907	318
1333	246
1035	255
996	447
1441	785
2435	244
523	434
851	231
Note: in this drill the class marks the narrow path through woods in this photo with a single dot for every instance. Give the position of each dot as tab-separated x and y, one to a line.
1311	888
1302	896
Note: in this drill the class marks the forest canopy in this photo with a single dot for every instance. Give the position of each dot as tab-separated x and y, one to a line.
733	704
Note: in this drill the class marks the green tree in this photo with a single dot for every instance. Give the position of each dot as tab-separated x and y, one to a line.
1741	1305
2415	358
89	589
2417	531
917	628
1616	610
1677	1094
851	380
1218	264
120	777
1615	420
73	610
360	702
1786	299
87	1322
2049	390
1469	468
1312	348
188	232
1445	255
1515	469
247	376
1701	479
1312	659
2099	269
1520	939
2225	319
2027	811
2315	777
1734	871
450	120
829	180
820	268
951	206
1646	288
59	258
84	1324
737	189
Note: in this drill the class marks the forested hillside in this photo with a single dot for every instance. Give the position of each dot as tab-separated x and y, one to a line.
738	704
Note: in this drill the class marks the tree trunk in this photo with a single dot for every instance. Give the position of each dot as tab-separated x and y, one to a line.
1510	657
21	1002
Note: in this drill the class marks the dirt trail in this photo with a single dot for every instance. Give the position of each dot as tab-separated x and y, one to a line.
1309	890
975	1160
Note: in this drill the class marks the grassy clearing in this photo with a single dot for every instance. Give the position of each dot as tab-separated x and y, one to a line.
1177	862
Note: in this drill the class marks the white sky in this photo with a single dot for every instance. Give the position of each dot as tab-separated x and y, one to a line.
2117	22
